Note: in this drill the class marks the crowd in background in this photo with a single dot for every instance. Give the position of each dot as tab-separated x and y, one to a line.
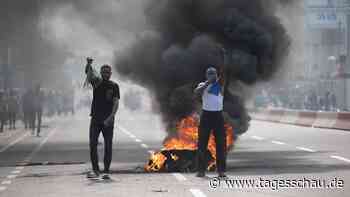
30	105
296	98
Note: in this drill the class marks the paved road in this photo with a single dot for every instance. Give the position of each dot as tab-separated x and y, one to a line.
55	164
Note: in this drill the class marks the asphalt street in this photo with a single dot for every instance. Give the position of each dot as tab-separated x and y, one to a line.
269	155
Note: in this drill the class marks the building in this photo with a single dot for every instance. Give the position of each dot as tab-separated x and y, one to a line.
327	45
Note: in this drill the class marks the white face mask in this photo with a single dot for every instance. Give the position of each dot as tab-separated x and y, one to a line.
211	77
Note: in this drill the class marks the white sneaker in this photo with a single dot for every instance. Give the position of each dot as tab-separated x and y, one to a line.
93	175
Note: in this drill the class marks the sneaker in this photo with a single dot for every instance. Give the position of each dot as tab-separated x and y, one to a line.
106	176
222	175
200	174
93	175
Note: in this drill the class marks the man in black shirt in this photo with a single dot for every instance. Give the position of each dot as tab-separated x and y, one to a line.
104	106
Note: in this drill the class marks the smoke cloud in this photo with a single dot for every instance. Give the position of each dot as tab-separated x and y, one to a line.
48	38
184	38
164	46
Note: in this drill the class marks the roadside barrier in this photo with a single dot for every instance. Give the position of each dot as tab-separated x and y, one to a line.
331	120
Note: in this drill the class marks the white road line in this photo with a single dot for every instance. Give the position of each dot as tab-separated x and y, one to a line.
38	148
144	146
132	136
11	176
305	149
278	142
2	188
197	193
179	177
14	142
126	132
16	172
257	137
19	168
6	182
340	158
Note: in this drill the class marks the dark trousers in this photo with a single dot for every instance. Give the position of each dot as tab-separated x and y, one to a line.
26	119
2	121
107	132
31	120
38	115
211	121
12	120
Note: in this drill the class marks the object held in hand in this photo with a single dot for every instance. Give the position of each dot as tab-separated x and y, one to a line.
89	60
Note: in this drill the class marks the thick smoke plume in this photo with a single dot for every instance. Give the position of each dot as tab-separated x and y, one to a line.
244	38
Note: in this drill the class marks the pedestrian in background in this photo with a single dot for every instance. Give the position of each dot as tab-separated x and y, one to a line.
13	107
3	111
39	99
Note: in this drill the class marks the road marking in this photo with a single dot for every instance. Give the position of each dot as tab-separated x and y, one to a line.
278	142
14	142
11	176
257	137
144	145
38	148
197	193
16	172
340	158
126	132
305	149
2	188
179	177
20	168
6	182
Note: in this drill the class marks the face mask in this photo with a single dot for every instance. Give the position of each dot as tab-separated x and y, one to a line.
211	77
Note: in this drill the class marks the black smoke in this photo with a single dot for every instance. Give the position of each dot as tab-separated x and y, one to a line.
185	37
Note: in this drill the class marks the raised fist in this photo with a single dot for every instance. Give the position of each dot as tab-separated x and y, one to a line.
89	60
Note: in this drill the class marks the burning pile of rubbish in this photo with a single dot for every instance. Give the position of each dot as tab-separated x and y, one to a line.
179	152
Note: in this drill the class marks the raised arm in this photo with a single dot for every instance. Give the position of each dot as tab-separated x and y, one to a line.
201	87
91	75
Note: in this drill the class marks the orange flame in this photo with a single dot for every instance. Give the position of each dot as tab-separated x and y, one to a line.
186	139
156	162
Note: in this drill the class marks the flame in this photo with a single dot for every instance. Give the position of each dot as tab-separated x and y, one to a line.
156	162
174	157
186	138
